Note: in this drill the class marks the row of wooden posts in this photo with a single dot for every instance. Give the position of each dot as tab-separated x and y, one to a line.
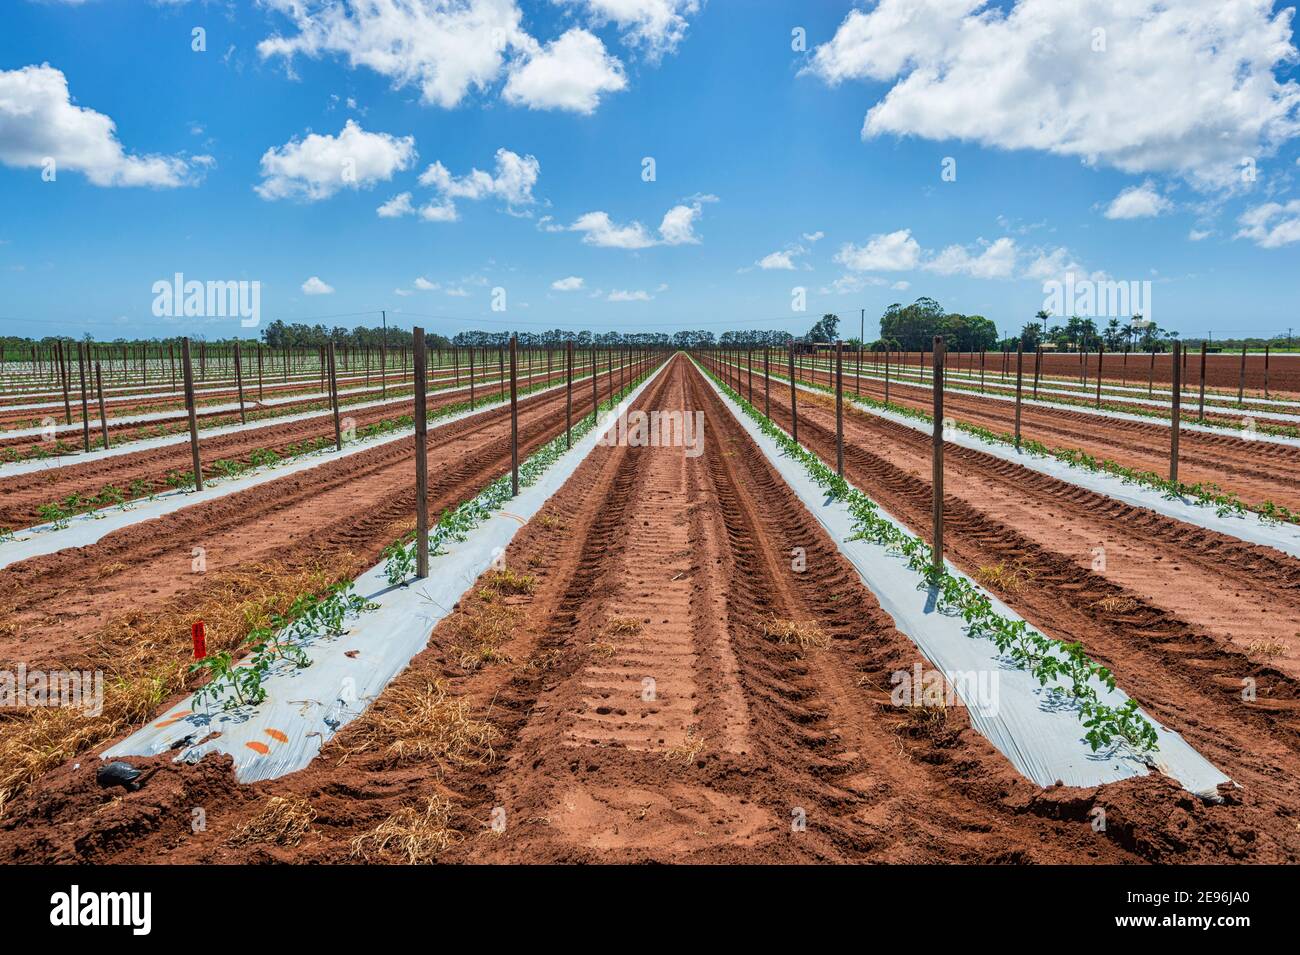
57	366
1084	364
630	361
735	370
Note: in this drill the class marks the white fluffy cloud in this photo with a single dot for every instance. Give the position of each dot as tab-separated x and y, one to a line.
777	260
513	183
314	286
1138	202
1054	264
424	285
445	47
996	260
891	252
571	284
1146	86
599	229
1272	224
316	167
439	212
396	207
678	225
449	49
38	121
676	228
900	252
571	72
657	25
622	295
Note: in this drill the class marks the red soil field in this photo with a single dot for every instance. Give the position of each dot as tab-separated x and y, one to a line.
649	561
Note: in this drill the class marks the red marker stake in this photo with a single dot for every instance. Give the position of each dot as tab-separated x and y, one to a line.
200	640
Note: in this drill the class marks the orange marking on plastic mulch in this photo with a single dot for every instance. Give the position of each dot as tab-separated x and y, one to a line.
174	718
259	747
277	735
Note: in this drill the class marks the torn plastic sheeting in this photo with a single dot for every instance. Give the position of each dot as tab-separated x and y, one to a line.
1249	527
304	708
1042	738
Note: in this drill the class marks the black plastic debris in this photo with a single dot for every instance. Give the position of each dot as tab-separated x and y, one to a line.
119	774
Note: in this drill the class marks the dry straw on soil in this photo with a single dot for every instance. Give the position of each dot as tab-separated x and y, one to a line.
410	835
283	821
806	635
145	658
1008	578
419	721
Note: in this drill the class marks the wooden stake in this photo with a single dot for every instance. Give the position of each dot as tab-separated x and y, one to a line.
103	415
936	477
887	351
514	417
421	459
767	383
794	404
1020	382
1101	349
63	376
334	399
239	384
1200	412
1241	381
85	410
471	376
189	408
839	408
1174	415
568	394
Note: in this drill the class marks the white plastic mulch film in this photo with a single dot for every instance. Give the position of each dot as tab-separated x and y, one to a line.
1029	724
305	707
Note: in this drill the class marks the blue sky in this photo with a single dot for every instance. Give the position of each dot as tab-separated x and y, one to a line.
1117	163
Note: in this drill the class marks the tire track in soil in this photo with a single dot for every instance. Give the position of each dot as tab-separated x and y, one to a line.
814	738
354	505
21	495
1178	671
1256	470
